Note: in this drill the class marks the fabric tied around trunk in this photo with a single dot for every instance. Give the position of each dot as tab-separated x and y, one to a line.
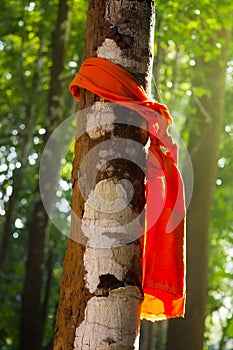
164	239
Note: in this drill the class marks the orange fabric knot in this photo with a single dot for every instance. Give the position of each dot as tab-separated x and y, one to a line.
164	247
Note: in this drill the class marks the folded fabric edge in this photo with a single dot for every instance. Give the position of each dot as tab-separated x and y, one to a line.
154	309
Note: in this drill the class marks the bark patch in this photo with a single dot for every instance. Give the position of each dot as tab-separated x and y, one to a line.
110	282
122	40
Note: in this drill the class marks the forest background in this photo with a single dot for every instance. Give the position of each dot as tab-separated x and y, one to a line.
38	60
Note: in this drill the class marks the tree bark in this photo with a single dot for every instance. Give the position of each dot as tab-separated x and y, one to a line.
31	331
101	293
203	146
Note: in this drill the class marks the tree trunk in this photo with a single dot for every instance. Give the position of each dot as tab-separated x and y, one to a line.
25	145
32	314
203	146
146	335
159	57
100	294
48	284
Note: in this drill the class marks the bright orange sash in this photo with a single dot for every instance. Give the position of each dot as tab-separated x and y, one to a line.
164	250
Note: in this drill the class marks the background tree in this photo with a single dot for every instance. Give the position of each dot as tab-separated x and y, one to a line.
203	144
34	309
208	46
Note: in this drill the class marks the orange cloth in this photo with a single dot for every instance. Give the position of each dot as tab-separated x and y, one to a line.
164	248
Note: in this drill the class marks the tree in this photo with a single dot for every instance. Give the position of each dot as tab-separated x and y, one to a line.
100	293
220	277
24	38
25	144
32	306
188	32
203	146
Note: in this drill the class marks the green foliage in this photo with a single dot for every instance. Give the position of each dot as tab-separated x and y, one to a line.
185	31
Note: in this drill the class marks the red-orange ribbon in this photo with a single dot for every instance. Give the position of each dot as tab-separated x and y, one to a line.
164	248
